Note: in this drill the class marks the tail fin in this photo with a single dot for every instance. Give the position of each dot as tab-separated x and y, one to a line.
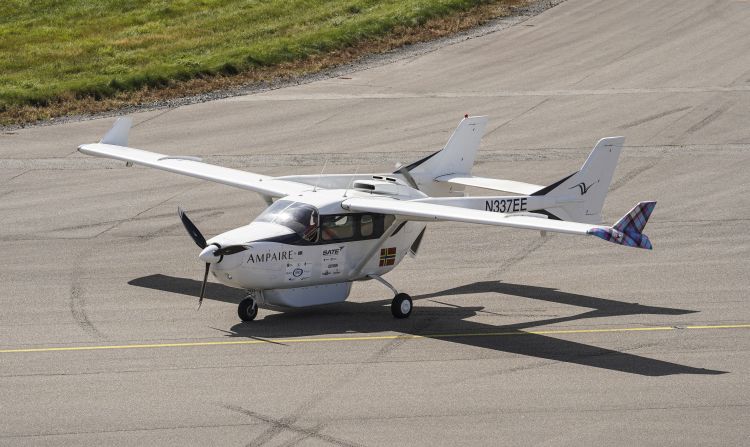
457	157
580	196
629	230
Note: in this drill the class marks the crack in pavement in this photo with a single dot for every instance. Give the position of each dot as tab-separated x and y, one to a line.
129	219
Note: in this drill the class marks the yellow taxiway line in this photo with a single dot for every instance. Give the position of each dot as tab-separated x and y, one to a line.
372	338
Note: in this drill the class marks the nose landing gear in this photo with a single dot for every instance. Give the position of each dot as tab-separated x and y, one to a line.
248	309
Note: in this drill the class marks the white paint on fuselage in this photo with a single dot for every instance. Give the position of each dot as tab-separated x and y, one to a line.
275	265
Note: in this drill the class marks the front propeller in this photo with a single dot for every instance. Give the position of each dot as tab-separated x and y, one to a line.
211	254
192	230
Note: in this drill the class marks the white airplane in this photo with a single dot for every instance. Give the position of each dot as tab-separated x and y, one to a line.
320	233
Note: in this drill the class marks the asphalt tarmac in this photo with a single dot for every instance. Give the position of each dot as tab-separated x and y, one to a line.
515	339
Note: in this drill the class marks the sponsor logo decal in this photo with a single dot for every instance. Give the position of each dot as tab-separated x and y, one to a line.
260	258
387	256
298	271
331	259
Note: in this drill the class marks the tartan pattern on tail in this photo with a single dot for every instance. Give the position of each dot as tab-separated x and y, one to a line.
387	256
627	231
636	218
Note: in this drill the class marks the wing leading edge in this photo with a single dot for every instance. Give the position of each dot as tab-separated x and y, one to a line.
113	146
412	210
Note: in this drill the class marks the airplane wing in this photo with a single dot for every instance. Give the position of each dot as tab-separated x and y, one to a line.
627	231
490	183
114	145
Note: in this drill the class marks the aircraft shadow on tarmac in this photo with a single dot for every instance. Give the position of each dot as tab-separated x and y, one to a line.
373	317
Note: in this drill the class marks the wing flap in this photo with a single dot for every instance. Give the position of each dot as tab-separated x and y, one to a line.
491	183
190	166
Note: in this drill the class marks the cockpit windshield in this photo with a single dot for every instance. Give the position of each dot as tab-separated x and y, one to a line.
299	217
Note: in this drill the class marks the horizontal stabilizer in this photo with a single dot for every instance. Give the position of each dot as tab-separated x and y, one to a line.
490	183
628	230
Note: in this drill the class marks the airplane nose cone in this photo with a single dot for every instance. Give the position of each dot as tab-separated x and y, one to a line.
208	256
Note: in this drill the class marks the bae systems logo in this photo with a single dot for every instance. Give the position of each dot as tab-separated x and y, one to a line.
583	188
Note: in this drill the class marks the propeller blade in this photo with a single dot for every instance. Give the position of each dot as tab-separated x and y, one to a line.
192	229
230	250
203	286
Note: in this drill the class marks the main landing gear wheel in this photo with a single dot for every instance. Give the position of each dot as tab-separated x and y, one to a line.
401	306
248	309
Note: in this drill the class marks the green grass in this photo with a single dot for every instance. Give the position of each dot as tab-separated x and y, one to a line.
52	49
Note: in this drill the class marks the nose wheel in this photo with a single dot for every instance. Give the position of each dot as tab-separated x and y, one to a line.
401	306
247	310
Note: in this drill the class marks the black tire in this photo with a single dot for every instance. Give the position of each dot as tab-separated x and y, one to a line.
401	306
247	310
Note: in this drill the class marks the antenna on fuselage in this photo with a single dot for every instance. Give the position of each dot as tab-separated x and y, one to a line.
356	171
315	188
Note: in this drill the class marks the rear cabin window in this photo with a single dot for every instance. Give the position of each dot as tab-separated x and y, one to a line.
353	227
366	225
337	228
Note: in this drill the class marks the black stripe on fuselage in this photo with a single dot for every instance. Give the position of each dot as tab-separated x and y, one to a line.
546	190
418	162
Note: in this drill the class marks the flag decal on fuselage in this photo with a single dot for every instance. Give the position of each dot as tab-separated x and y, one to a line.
387	256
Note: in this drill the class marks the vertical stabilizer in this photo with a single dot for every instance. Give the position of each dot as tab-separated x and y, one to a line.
457	157
581	195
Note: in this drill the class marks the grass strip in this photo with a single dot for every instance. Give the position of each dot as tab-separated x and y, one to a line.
59	57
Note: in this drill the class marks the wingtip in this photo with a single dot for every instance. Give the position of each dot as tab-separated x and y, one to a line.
628	230
118	134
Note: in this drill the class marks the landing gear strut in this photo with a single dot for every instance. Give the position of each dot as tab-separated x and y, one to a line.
248	309
401	305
